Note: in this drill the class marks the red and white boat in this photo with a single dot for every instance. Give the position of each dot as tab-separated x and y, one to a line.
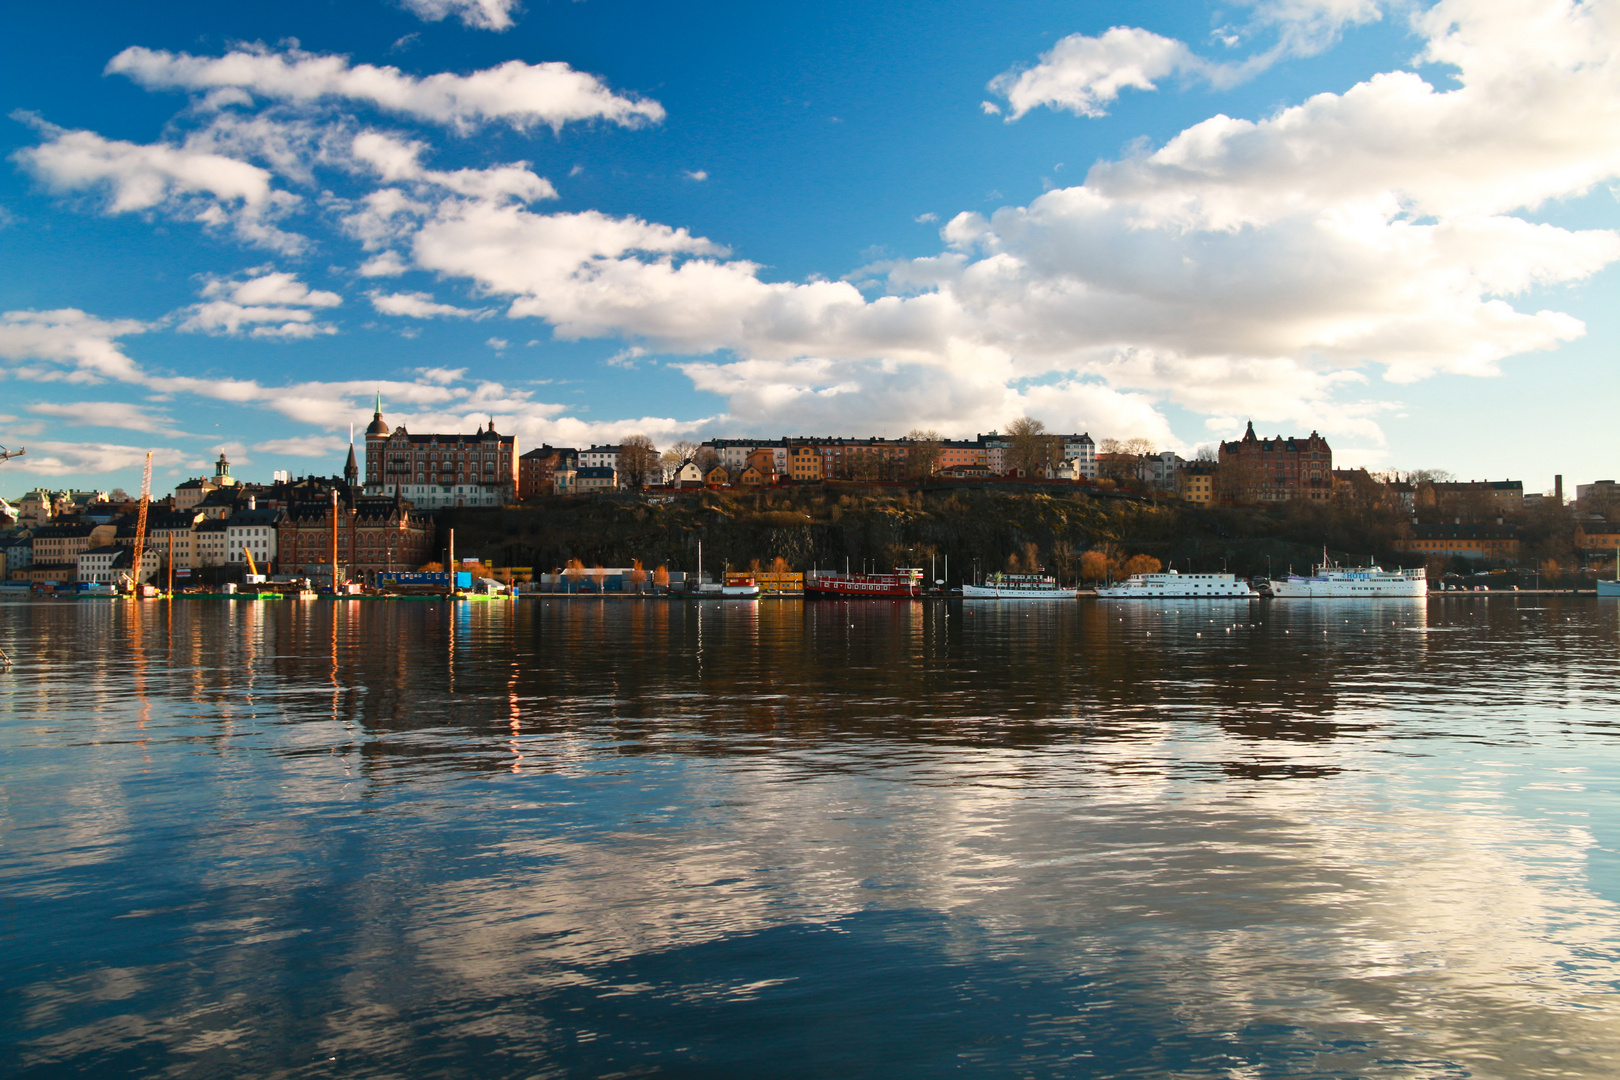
905	581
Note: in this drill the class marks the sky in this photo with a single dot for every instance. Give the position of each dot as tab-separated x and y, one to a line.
226	227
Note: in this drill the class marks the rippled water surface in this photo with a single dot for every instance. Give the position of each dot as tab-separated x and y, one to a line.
1218	839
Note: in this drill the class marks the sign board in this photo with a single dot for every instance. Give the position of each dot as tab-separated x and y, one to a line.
463	580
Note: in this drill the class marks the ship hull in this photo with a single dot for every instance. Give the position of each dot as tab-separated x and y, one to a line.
1174	586
904	586
993	592
1363	583
1608	588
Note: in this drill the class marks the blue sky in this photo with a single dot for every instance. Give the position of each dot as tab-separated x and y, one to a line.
1393	223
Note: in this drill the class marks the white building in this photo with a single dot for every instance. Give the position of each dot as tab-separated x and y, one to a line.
253	530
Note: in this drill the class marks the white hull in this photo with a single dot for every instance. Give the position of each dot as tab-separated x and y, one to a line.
1364	583
1608	588
993	592
1174	586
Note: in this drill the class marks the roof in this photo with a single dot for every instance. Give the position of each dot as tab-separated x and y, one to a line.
254	517
595	472
213	525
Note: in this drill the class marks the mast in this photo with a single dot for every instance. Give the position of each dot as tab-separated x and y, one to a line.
140	527
334	540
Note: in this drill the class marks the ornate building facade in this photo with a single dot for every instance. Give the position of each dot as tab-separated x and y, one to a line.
434	471
1275	470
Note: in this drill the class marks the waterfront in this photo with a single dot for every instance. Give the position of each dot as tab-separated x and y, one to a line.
562	838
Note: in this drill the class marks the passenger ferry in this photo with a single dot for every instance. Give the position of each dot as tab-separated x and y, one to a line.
1328	581
905	581
1176	586
1018	587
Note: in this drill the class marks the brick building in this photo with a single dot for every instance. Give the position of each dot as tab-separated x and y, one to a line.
434	471
1275	470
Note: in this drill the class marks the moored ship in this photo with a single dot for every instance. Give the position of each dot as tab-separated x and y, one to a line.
904	581
1019	587
1177	586
1362	582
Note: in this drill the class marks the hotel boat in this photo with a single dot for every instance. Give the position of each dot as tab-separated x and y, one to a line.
1174	586
1362	582
825	584
1019	587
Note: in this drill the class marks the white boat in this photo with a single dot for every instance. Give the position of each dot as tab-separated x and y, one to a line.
1176	586
744	589
1018	587
1363	582
1606	587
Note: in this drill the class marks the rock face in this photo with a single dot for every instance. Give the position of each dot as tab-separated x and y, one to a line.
813	527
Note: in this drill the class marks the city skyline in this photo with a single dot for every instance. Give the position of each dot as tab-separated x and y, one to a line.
1392	223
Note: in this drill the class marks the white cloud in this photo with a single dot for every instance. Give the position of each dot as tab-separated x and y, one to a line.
272	304
207	187
699	175
420	305
498	344
478	14
52	458
115	414
384	264
310	446
1085	74
67	338
396	160
1244	266
520	94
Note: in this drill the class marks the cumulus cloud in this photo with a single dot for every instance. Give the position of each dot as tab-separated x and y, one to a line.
1244	265
520	94
67	344
208	187
272	304
478	14
1085	74
419	305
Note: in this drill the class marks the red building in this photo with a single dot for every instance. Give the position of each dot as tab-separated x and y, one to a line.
372	534
1275	470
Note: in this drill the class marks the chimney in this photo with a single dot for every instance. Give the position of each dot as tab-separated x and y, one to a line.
253	502
1558	488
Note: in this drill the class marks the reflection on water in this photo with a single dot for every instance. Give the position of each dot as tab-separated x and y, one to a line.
560	838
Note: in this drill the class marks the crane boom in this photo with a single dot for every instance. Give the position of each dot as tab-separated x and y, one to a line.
140	526
7	455
252	567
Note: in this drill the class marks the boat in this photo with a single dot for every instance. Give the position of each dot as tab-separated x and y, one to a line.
824	584
1608	588
1330	581
1019	587
1172	585
739	589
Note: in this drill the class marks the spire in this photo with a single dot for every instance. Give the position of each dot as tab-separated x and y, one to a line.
1249	435
377	428
351	471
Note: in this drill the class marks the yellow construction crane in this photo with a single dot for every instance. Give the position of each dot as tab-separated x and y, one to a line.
7	455
252	566
140	528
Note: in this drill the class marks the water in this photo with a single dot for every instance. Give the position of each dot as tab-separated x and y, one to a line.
603	839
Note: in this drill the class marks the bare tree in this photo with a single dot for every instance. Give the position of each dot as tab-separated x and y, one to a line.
680	453
638	461
661	578
1033	449
638	576
925	452
599	577
575	573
